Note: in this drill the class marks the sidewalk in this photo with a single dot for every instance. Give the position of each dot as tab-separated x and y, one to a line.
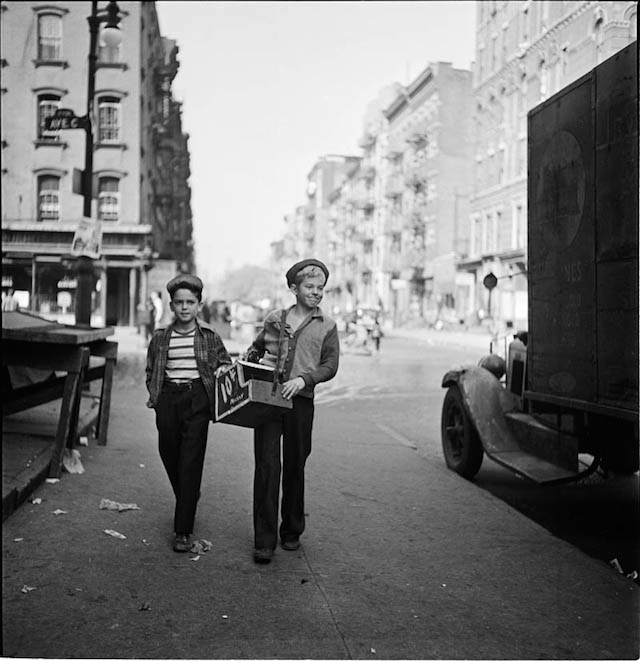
401	559
27	437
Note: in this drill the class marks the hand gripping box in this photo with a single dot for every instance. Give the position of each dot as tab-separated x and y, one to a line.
244	395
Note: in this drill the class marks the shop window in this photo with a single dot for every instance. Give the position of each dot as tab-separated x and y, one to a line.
109	120
47	106
109	198
48	197
49	37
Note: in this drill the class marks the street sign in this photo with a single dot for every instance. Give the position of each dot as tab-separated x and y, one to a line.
65	118
490	281
87	239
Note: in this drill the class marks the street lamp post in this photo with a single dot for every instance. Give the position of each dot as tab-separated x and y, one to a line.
112	36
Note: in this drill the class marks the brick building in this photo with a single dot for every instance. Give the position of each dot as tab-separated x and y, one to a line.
525	52
140	161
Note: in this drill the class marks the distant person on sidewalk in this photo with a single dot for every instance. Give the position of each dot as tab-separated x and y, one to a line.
182	360
9	302
158	308
309	355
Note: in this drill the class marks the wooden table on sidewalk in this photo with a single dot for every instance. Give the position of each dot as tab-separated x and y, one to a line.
34	342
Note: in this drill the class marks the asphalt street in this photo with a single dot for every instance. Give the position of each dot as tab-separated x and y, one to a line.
401	558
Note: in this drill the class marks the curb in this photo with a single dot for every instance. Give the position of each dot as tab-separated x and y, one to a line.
33	475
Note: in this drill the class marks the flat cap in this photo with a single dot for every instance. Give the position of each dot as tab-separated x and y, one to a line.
184	280
298	266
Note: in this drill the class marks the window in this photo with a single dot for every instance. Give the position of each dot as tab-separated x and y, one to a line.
49	37
543	76
47	106
108	198
48	197
109	119
633	26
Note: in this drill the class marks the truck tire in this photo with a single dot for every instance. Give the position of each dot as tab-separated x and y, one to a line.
461	444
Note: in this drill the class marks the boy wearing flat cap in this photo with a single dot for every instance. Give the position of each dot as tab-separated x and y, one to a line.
182	360
309	355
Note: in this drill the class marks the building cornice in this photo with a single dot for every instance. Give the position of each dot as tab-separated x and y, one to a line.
515	61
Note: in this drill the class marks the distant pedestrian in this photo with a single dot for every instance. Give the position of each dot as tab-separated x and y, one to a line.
376	334
309	355
158	308
182	360
9	302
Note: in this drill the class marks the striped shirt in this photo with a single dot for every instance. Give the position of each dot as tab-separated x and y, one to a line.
181	358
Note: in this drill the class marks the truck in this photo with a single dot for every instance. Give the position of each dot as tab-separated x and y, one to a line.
564	399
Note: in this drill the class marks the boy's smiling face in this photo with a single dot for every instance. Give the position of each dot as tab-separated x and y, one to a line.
185	305
310	291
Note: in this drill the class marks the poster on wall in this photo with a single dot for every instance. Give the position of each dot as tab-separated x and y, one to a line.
87	240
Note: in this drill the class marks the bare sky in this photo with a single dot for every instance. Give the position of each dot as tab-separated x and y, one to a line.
270	86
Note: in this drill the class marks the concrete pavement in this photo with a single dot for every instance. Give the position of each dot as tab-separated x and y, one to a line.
401	559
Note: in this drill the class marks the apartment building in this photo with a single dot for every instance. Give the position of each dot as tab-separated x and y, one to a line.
426	183
140	161
525	52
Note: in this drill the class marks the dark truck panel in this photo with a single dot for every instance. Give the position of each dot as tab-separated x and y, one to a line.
583	240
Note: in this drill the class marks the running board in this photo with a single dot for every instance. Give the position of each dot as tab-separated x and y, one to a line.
534	468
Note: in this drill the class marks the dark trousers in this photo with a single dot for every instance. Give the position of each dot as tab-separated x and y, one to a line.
182	419
295	428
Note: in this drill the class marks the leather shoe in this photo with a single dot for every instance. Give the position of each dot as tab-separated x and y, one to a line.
263	556
291	545
181	543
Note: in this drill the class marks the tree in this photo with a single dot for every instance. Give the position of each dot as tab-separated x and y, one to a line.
249	284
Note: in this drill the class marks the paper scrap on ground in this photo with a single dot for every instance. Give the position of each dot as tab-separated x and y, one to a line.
27	589
52	480
71	461
56	512
115	533
37	501
201	546
18	539
106	504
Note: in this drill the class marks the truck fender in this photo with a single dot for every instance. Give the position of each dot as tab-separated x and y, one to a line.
452	377
486	403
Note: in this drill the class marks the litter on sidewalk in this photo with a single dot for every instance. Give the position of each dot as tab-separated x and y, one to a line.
59	511
201	546
71	462
115	533
106	504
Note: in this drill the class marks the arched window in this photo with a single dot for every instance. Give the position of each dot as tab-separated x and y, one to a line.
47	106
48	197
109	119
49	37
109	198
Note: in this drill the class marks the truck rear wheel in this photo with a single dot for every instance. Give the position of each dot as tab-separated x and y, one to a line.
461	444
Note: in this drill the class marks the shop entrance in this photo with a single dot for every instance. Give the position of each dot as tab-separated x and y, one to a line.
118	298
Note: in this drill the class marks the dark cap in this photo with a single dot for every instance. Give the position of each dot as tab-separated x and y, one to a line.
291	273
184	280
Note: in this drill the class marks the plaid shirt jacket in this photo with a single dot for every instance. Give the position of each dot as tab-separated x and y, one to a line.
210	354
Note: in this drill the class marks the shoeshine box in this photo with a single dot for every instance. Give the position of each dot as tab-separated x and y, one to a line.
244	395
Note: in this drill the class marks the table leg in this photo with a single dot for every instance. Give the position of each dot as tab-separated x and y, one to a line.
70	398
102	425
